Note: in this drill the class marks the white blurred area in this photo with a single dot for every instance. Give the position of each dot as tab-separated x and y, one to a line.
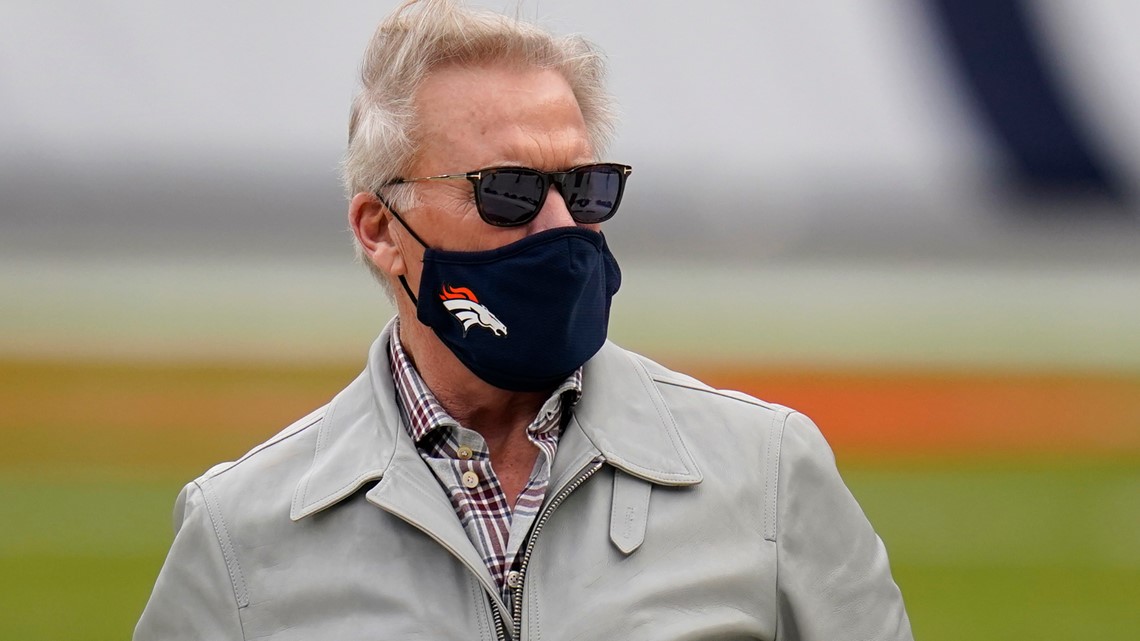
811	185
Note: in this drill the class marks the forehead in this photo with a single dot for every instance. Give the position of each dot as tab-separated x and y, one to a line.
474	117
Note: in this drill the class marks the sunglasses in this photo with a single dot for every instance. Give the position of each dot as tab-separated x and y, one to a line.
511	196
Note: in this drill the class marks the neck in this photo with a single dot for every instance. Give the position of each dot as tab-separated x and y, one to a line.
497	414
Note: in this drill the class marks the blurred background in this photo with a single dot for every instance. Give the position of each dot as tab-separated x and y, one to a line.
915	220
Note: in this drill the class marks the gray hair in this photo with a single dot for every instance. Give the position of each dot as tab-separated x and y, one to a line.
423	35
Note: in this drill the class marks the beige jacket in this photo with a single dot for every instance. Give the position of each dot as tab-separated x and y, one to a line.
675	511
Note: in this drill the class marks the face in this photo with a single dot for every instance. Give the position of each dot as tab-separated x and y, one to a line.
472	118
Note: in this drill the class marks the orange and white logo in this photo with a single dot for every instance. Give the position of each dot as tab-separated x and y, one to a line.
465	306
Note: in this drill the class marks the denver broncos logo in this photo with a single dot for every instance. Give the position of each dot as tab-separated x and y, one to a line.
463	305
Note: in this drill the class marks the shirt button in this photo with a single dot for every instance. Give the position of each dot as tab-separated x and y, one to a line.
464	452
514	579
470	479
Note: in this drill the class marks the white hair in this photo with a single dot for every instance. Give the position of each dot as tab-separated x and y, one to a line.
423	35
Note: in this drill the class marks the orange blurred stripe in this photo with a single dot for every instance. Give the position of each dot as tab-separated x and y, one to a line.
935	412
866	412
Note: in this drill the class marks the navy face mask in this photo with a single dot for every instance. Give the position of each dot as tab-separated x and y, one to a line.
524	316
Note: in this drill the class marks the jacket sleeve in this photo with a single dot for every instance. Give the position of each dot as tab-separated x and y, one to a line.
195	596
833	579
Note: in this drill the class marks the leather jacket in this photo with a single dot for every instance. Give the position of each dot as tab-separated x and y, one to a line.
675	511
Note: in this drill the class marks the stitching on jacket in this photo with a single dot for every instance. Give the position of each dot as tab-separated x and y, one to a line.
772	484
479	598
303	489
743	398
288	433
667	417
774	479
536	629
237	579
346	490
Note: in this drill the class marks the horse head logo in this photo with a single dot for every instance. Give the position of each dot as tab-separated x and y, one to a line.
465	306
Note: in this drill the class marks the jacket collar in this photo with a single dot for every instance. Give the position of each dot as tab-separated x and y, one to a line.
362	438
357	438
624	415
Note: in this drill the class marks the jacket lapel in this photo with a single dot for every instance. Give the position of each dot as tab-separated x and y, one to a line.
411	492
356	440
362	439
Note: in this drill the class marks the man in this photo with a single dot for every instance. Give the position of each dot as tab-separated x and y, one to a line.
499	471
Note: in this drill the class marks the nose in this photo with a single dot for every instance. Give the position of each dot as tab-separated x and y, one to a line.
553	214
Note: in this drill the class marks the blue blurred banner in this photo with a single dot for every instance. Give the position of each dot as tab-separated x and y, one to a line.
169	177
1004	67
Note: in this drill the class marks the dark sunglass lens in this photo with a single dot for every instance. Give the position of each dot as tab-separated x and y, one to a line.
509	196
592	193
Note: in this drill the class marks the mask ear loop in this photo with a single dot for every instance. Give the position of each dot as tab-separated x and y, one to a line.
404	281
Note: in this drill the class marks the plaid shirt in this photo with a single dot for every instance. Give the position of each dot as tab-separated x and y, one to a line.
460	460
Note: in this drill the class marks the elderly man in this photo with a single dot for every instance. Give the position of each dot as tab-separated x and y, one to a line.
500	471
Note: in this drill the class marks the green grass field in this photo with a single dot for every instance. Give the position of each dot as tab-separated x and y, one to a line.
997	545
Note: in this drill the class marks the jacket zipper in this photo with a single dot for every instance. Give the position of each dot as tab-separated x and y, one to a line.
500	629
517	592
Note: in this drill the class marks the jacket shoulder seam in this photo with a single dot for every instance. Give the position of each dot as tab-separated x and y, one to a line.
730	395
289	432
222	534
772	459
772	499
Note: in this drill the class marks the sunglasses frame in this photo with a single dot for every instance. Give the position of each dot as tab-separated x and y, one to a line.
549	178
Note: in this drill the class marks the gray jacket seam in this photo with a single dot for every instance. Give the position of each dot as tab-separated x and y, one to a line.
772	473
715	392
222	534
779	440
480	614
537	617
280	438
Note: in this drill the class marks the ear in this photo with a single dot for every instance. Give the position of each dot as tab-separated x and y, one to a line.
371	223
